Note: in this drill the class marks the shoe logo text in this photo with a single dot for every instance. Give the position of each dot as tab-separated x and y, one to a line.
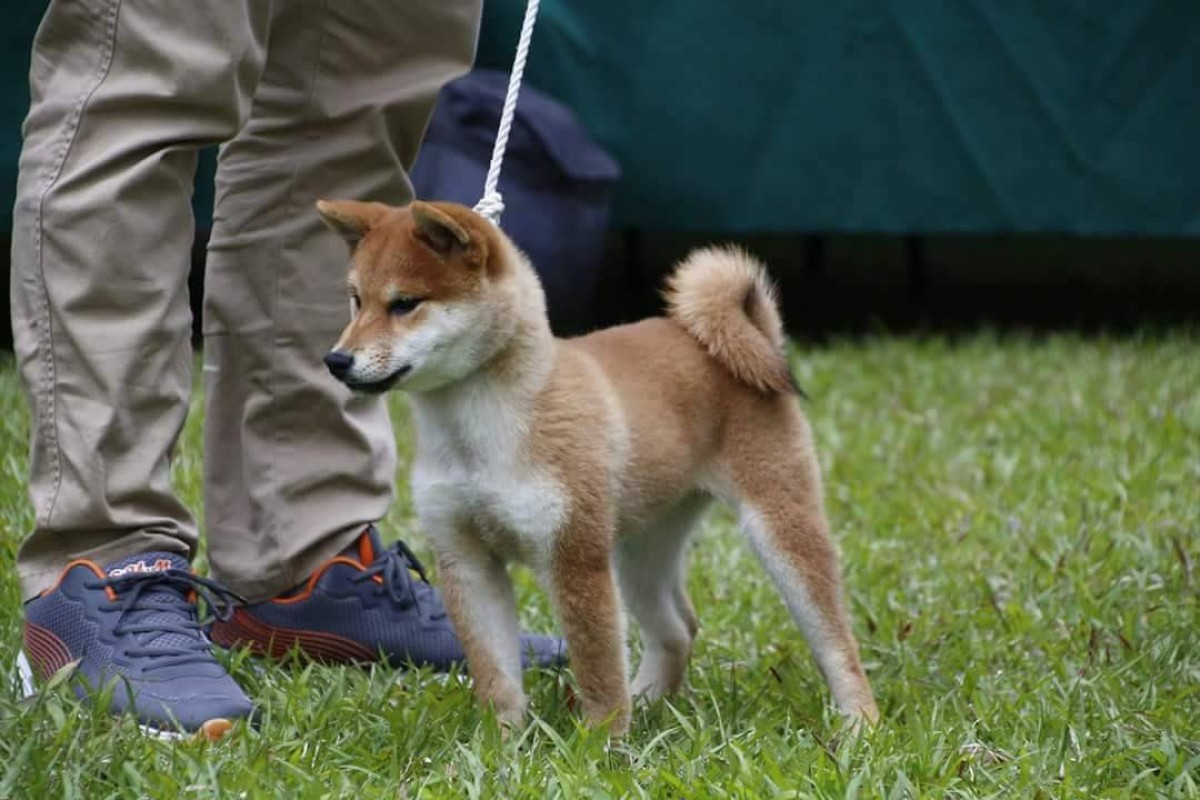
139	567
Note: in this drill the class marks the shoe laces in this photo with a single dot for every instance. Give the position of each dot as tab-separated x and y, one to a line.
155	610
395	567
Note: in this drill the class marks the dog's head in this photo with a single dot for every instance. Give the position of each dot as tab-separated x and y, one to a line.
425	300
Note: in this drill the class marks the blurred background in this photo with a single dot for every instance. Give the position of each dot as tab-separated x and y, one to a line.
900	165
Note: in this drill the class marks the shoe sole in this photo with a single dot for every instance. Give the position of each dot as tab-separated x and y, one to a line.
268	641
276	644
25	676
212	730
243	630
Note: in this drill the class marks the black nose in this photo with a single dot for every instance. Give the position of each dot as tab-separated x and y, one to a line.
339	363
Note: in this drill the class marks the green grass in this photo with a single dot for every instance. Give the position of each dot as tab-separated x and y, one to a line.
1020	526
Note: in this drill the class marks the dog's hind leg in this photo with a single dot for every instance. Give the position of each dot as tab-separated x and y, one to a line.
651	570
777	490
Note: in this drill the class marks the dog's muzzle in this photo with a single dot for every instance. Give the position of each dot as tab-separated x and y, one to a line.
340	363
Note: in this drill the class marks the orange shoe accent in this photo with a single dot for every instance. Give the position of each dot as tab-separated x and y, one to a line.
214	729
366	554
93	566
311	583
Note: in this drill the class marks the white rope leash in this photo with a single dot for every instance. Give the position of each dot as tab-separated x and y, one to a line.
491	205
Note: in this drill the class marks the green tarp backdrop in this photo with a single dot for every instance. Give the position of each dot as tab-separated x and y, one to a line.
1078	116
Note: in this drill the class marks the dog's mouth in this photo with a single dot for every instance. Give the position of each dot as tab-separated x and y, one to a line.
380	386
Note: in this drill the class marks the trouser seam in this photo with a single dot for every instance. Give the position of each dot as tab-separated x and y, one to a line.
47	422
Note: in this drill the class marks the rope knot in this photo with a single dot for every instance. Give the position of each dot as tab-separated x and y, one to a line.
490	206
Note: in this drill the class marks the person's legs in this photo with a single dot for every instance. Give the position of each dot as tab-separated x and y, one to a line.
123	95
296	466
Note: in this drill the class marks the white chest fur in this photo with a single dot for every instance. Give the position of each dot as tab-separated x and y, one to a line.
471	476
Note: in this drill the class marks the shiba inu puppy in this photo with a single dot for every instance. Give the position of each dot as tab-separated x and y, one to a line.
588	459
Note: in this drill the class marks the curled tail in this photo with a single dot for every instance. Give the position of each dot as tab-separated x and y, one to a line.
723	298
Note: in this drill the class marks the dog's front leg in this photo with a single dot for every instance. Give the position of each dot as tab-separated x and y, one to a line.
480	600
584	588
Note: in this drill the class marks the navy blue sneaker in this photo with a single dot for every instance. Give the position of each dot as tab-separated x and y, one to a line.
367	604
133	627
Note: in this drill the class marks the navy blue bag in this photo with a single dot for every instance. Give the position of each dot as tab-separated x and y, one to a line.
556	182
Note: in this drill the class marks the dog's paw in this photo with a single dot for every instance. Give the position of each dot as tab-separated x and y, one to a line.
509	708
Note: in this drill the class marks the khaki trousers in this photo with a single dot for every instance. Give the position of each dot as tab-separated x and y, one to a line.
311	99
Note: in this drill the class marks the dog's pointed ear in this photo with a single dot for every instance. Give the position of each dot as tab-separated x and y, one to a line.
438	229
351	219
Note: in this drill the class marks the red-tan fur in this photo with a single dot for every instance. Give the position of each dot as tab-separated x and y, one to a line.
590	458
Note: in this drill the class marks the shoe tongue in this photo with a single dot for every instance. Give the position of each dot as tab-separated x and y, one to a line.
145	563
366	548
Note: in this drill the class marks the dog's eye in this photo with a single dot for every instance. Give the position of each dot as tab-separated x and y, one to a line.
355	304
403	305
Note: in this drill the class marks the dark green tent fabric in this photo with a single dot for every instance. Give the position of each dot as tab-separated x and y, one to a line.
21	19
1079	116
